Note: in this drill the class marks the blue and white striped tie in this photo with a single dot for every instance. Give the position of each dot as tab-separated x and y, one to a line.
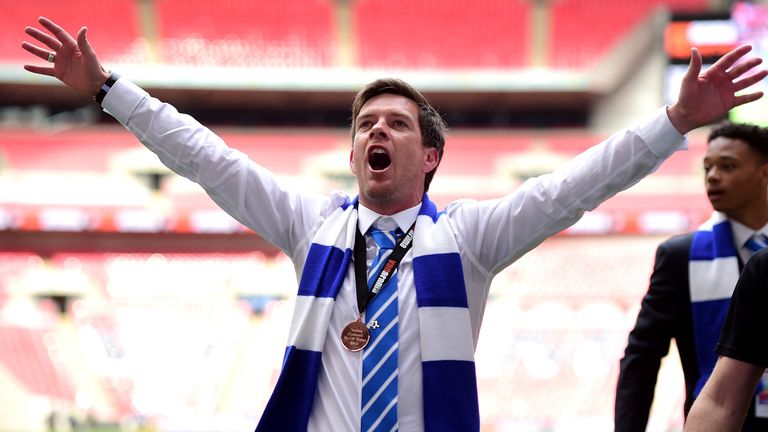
756	242
379	392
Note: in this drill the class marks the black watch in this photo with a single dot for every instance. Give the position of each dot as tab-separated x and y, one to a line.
113	77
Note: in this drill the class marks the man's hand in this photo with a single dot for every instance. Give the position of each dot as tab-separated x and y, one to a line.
74	63
707	97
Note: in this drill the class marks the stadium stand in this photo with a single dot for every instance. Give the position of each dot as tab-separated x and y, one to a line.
24	351
583	31
13	264
286	34
116	40
117	186
441	34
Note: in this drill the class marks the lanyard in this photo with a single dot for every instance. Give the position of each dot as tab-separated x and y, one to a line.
364	295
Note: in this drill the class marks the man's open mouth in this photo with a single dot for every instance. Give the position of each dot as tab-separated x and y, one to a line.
715	194
378	159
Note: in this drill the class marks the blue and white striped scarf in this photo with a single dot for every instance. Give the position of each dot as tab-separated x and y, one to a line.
447	349
713	270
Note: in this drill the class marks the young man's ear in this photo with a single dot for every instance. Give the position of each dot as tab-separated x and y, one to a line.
764	173
352	161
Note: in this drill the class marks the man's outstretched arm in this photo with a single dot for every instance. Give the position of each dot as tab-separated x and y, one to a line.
242	188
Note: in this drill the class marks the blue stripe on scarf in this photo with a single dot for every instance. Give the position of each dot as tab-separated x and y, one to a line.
348	203
718	243
441	280
450	401
291	402
708	317
450	386
428	208
321	276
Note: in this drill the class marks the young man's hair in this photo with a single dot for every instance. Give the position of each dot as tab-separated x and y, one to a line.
755	136
431	124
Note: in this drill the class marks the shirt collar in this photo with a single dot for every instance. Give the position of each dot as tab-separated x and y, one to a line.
404	219
742	233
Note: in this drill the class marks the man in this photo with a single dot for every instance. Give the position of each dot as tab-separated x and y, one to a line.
694	276
436	278
723	403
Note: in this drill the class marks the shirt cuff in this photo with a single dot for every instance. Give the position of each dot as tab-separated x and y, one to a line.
122	99
660	135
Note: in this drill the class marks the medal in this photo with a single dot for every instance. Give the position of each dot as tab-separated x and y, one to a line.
355	336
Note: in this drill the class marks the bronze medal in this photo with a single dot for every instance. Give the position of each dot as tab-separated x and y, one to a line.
355	336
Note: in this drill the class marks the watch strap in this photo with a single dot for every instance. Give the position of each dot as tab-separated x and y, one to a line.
113	77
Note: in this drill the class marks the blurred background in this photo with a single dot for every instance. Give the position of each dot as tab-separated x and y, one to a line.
129	302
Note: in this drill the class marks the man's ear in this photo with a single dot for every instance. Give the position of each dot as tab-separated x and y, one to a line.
431	159
352	161
764	173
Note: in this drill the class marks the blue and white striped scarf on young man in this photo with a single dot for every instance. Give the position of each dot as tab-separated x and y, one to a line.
447	349
713	270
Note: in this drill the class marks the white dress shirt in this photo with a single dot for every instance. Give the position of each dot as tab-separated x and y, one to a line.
490	234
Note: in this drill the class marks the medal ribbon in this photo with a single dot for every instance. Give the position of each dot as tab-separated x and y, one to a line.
365	295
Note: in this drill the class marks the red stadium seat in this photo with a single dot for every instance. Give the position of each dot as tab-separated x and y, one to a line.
23	351
434	34
113	26
583	31
289	33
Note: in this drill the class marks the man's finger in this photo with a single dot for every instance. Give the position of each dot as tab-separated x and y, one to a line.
35	50
750	80
83	44
42	70
744	67
694	67
747	98
726	61
43	37
57	31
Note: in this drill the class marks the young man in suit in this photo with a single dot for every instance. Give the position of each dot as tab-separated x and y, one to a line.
694	276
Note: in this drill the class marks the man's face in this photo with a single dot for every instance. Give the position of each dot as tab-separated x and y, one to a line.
735	176
387	156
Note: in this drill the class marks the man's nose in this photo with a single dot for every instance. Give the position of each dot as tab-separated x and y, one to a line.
712	176
378	130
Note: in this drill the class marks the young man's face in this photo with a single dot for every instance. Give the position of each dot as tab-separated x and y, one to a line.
387	155
735	176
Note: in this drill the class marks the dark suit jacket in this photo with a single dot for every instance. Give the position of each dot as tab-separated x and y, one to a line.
665	313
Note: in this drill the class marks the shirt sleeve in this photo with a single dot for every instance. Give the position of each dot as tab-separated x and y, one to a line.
742	336
498	232
245	190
